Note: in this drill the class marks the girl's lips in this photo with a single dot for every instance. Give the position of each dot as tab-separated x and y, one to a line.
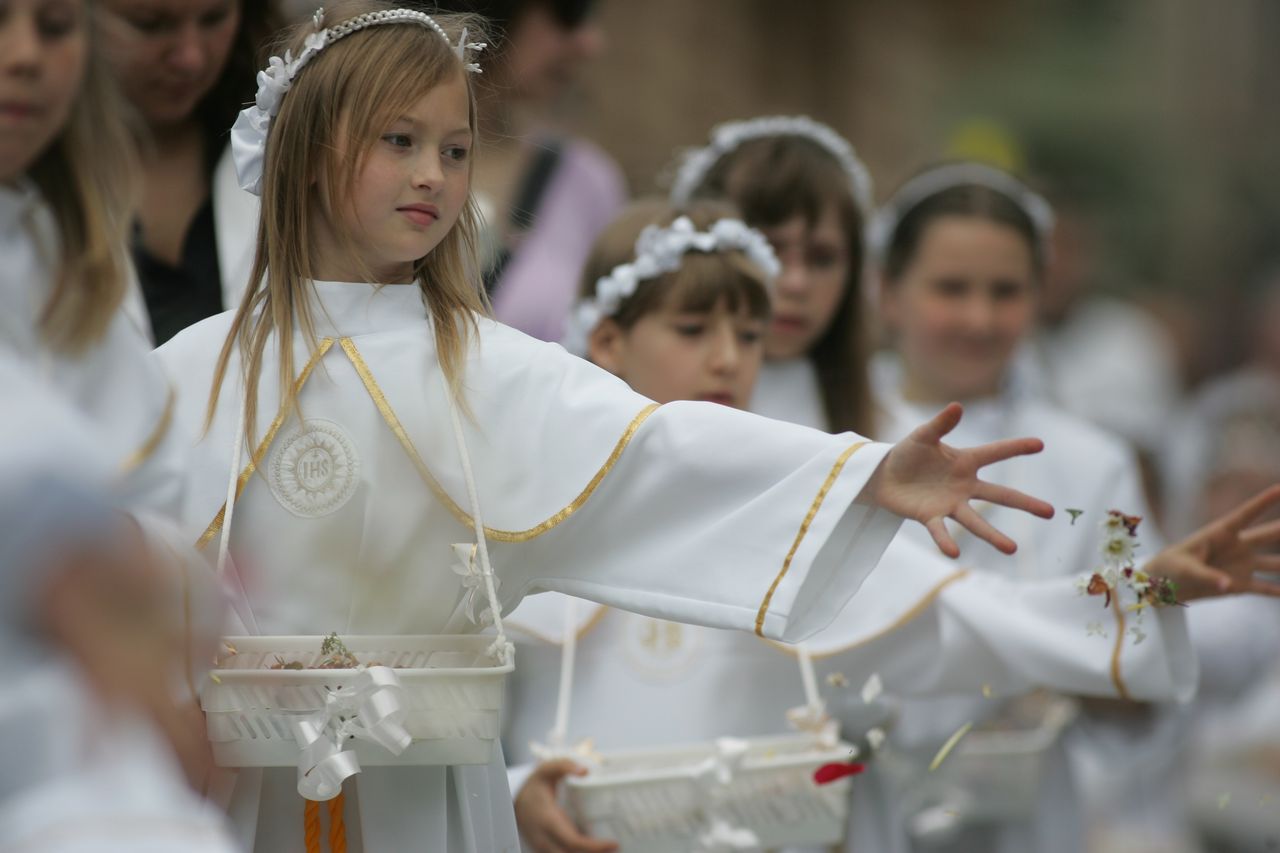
788	324
419	216
18	110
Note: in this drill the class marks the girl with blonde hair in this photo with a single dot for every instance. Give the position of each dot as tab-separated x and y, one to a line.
364	328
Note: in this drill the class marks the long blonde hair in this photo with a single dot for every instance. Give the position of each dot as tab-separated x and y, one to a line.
356	86
87	176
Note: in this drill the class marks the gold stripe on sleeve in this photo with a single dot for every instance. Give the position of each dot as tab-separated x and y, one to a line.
925	602
389	415
804	529
216	525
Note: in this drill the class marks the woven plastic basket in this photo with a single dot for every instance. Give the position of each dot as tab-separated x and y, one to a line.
452	693
660	800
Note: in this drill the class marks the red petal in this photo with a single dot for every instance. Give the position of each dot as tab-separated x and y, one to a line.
828	773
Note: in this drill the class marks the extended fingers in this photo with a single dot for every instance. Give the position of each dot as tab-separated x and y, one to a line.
932	432
1012	498
941	537
1254	507
983	529
1262	534
998	451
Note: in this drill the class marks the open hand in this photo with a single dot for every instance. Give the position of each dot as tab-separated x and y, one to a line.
928	481
1223	557
543	823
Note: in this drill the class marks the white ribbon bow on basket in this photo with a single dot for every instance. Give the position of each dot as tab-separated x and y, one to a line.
371	709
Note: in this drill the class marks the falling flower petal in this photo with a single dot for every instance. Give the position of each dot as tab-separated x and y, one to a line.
828	773
948	746
837	679
872	689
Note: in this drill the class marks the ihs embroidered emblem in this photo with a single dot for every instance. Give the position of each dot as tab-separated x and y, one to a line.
315	469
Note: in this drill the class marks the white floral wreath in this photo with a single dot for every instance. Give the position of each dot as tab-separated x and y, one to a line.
249	133
658	251
923	186
697	162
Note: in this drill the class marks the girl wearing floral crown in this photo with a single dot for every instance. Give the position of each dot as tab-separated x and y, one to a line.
361	375
802	184
89	476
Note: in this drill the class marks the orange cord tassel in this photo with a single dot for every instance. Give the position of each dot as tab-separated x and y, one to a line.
311	826
337	826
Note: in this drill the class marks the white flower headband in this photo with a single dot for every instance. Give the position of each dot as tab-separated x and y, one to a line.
249	133
913	192
697	162
658	251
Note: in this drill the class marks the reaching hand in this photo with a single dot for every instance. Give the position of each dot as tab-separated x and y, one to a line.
543	823
926	480
1223	557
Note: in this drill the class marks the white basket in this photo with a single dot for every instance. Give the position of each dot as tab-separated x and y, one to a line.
652	800
452	692
991	775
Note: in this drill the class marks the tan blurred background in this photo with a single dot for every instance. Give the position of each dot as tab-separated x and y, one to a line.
1155	119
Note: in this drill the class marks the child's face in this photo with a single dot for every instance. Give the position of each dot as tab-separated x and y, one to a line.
409	193
673	354
168	54
815	273
962	306
43	50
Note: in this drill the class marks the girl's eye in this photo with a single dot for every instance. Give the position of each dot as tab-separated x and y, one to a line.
149	23
399	140
457	152
822	259
950	287
1004	291
690	330
750	337
57	23
213	19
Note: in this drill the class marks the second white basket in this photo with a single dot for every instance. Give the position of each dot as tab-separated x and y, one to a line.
451	689
659	800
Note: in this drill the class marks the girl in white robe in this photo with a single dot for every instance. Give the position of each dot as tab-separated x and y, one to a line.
801	183
695	332
362	323
86	436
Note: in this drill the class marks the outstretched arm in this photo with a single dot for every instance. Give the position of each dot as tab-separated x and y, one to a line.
928	481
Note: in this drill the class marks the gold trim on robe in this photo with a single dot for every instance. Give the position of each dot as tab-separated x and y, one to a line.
216	525
389	415
804	529
135	459
590	625
1117	677
912	613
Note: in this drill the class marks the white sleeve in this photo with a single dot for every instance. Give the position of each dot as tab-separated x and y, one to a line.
939	629
720	518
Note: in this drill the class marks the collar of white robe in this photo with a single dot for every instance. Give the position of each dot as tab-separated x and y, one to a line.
249	133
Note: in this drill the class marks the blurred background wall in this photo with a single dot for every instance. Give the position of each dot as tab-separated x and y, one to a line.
1153	119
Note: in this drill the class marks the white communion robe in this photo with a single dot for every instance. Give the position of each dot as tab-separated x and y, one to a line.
927	626
97	423
1081	468
689	512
